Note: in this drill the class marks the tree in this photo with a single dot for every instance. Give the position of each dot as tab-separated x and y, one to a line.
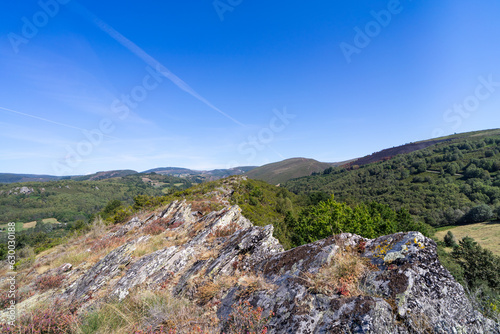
449	240
111	208
452	168
480	265
479	214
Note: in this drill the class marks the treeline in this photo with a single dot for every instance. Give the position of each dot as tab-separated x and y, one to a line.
450	183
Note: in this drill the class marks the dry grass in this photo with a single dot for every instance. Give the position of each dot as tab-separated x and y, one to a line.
251	283
341	276
148	312
29	224
154	243
209	254
486	234
207	290
50	221
74	255
196	229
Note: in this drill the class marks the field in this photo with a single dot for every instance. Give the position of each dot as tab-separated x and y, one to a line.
48	221
29	225
32	224
486	234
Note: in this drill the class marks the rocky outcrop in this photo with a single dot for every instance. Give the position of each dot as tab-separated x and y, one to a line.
95	278
404	288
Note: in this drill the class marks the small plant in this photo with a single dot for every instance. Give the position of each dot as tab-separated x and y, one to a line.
224	231
107	243
248	319
175	224
208	290
361	247
341	276
47	282
252	283
154	229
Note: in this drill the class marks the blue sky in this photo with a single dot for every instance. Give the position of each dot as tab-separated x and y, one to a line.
98	85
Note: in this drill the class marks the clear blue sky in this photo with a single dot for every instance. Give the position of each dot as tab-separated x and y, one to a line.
351	78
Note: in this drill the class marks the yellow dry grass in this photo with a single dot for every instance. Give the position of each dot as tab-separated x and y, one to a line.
341	276
50	221
29	224
155	243
486	234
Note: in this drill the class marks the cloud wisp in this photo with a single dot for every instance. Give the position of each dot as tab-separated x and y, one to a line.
148	59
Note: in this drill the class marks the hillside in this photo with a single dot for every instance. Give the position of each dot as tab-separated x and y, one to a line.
183	267
389	153
440	184
282	171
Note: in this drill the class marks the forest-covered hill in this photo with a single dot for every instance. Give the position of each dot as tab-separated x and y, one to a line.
451	182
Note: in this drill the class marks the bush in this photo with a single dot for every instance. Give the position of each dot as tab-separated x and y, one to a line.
55	319
154	229
47	282
246	318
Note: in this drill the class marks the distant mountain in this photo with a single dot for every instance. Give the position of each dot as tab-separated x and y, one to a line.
282	171
104	175
196	176
200	175
13	178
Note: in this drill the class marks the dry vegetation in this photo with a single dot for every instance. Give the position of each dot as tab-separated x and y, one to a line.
341	276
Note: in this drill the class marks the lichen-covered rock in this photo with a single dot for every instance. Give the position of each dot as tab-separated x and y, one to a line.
407	292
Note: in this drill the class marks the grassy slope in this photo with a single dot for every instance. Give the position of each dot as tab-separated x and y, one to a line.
285	170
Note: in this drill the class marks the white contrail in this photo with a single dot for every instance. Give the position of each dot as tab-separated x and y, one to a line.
47	120
132	47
